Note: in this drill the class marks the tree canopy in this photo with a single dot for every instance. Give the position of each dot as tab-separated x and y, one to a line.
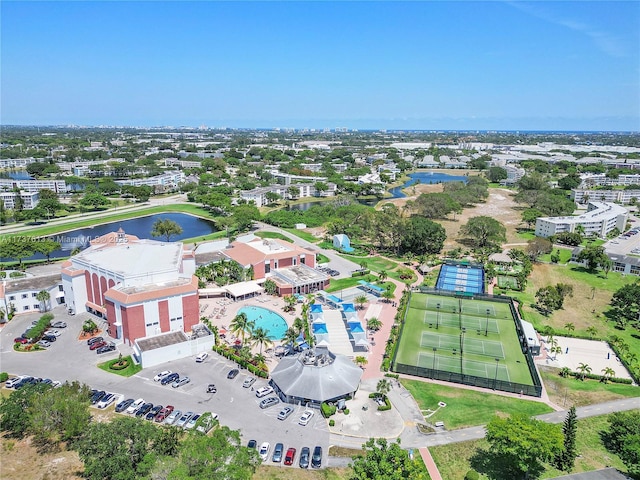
165	228
483	231
385	461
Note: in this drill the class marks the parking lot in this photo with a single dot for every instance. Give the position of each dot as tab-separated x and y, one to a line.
70	359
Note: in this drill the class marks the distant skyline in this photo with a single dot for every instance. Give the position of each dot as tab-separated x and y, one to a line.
499	65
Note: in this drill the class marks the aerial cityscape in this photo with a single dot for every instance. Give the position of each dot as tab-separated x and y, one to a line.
320	240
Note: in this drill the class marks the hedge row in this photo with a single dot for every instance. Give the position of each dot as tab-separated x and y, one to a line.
327	410
225	352
595	376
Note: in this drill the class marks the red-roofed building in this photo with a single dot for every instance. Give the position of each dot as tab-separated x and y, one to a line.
141	287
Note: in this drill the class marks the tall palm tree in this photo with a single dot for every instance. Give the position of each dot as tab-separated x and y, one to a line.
583	369
361	361
383	387
383	275
361	300
374	324
290	336
261	338
298	326
241	326
43	297
592	331
607	373
570	327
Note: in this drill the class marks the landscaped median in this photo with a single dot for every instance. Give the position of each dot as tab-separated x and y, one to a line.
124	366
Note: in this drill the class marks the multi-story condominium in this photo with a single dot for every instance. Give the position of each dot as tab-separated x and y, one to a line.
514	174
169	179
580	195
58	186
601	179
70	166
599	219
29	199
16	162
182	163
141	287
302	190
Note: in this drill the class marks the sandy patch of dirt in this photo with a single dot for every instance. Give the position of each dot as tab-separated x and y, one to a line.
22	461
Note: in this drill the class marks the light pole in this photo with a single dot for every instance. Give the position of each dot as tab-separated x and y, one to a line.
495	379
438	316
433	373
461	350
486	326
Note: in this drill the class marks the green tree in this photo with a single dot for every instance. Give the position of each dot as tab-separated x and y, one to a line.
43	297
244	216
360	301
272	197
623	438
422	236
270	287
14	409
594	255
483	231
626	305
241	326
290	336
570	181
165	228
94	199
46	247
216	456
361	361
260	337
607	374
495	174
530	215
384	460
382	387
583	370
374	324
17	247
569	327
517	440
565	460
538	246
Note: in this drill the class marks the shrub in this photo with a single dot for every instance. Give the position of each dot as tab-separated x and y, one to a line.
113	364
327	410
332	422
386	406
4	376
472	475
346	411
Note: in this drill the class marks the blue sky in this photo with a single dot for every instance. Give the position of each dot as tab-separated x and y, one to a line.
539	65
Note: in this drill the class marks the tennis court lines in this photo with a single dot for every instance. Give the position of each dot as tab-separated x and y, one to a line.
448	342
470	323
469	367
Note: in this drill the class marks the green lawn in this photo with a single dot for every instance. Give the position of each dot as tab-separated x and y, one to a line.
320	258
455	459
565	255
342	283
131	370
266	234
379	264
467	408
302	234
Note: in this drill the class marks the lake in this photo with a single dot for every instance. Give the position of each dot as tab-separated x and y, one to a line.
140	227
427	178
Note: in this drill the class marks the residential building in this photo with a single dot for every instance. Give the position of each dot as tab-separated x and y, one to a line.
16	162
514	174
600	179
18	295
141	287
29	199
582	195
599	219
58	186
169	179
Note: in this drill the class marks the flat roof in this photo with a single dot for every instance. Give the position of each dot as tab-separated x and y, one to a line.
300	275
163	340
31	283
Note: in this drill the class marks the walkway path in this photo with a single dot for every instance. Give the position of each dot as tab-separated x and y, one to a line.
432	468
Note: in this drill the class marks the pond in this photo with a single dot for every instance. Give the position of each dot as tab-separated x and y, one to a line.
428	177
140	227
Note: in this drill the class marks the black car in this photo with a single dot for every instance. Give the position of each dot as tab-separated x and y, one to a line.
252	444
153	412
123	405
24	382
144	409
105	349
49	338
316	459
172	377
97	396
233	374
93	340
305	453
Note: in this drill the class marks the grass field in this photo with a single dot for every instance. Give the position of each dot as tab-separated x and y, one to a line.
467	408
455	459
490	334
507	281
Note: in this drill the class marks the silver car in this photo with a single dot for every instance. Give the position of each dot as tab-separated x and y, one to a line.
184	419
269	402
175	415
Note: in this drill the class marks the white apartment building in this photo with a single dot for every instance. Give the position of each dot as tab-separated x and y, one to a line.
599	220
16	162
29	199
169	179
600	179
58	186
581	195
303	190
513	175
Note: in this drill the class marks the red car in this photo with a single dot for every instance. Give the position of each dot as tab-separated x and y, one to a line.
164	413
96	345
21	340
290	456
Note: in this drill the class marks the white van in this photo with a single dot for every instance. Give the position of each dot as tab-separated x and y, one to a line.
201	357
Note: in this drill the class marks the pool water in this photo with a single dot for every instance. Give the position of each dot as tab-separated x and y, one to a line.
273	323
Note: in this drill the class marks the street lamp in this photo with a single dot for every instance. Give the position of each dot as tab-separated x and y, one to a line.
434	363
438	316
495	379
486	326
461	350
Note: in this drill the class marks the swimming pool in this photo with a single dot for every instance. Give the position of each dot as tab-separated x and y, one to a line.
273	323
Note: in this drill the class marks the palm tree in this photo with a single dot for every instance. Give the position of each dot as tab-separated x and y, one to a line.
260	337
298	326
216	333
583	369
565	372
361	361
374	324
387	295
259	358
592	331
383	275
290	336
241	326
361	300
43	297
290	302
607	373
555	350
383	387
570	327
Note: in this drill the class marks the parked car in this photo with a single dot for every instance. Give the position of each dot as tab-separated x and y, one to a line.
248	381
306	417
12	382
54	333
316	459
180	382
59	324
93	340
22	340
304	457
201	357
144	409
131	409
233	374
269	402
173	416
107	400
264	391
97	396
285	412
47	381
161	375
172	377
49	338
192	422
24	382
252	444
56	384
290	456
124	404
105	349
97	345
151	414
44	343
264	451
184	419
163	414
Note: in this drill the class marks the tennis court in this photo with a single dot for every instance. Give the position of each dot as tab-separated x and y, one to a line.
455	337
461	278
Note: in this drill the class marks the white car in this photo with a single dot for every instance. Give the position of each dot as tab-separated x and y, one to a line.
59	325
107	400
13	381
201	357
306	417
248	381
54	333
264	451
161	375
44	343
134	406
264	391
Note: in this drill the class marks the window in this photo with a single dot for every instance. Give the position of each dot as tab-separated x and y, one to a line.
12	297
26	307
34	294
60	288
25	295
36	307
